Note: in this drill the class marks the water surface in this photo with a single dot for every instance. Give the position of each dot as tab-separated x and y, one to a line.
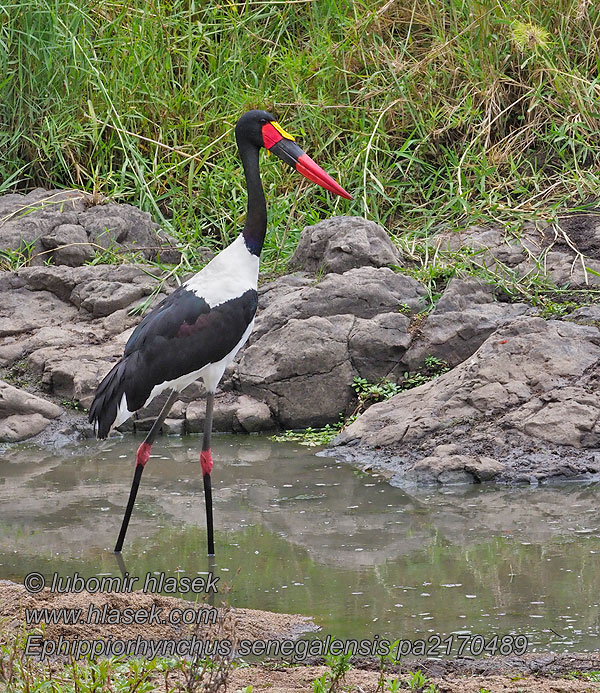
305	534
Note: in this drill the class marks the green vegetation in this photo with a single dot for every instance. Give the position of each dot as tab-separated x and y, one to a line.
11	260
332	680
311	437
584	675
367	393
19	673
434	114
420	683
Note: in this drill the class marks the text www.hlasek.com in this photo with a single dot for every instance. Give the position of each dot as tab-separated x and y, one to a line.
113	616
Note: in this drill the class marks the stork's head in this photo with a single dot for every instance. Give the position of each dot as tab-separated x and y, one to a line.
262	130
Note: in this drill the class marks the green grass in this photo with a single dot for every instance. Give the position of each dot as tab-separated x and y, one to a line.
434	114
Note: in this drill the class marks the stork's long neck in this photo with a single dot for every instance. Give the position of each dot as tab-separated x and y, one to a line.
255	225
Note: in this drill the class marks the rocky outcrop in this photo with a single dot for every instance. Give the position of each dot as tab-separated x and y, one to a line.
343	243
466	314
23	414
312	339
68	227
67	326
519	403
523	407
563	253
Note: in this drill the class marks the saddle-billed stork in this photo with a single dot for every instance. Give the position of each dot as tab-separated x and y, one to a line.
198	329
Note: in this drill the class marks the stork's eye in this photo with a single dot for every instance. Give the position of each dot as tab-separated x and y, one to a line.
263	120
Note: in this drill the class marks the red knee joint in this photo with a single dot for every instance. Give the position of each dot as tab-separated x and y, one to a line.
206	461
143	454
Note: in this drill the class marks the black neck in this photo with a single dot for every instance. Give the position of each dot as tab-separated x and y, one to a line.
255	225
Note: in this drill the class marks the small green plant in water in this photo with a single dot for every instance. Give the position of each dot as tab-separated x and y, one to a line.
311	437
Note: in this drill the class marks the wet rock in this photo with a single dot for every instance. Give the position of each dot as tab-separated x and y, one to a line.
342	243
22	426
22	414
527	397
223	415
231	413
447	465
464	317
253	416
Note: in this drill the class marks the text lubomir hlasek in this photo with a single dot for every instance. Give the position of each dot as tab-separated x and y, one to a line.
158	582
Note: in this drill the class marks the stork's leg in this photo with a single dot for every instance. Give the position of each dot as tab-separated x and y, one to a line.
143	455
207	464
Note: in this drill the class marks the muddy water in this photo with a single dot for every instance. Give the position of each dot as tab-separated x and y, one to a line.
305	534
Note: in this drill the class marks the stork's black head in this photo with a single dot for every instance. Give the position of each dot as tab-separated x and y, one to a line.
249	127
259	128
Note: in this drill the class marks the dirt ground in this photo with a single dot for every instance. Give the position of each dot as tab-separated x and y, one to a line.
543	673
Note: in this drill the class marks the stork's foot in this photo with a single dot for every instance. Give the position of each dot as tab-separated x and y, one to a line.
206	461
143	453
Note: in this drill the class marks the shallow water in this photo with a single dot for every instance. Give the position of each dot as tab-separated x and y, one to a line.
305	534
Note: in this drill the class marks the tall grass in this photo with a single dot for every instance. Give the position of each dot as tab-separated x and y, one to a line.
434	113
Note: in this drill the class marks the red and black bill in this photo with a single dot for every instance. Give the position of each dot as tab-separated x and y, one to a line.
282	144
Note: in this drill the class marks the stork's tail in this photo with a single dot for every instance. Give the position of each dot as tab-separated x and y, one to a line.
109	407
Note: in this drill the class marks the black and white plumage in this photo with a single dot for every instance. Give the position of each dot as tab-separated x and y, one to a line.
197	330
193	333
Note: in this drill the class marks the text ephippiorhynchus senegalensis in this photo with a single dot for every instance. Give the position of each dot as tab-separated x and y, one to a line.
197	330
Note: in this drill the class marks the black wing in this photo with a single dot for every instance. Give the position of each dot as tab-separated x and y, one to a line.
181	335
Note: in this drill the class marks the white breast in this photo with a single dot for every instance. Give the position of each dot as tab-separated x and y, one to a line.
228	275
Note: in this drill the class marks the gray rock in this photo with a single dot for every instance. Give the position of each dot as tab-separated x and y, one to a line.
586	315
377	347
22	426
464	317
16	401
70	223
9	327
223	415
342	243
557	253
70	245
58	280
526	397
448	466
253	416
364	293
101	298
301	370
126	228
